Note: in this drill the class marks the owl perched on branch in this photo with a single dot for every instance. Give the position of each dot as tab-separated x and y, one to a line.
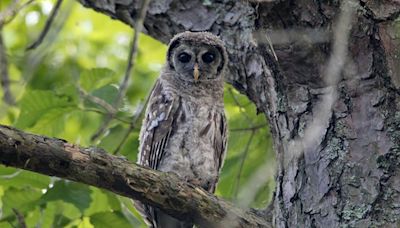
185	129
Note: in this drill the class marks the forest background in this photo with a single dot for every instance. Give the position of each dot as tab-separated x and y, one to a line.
84	55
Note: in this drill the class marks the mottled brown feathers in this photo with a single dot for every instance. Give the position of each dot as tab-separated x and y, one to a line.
184	130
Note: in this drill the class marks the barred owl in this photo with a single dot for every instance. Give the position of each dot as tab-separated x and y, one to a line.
184	130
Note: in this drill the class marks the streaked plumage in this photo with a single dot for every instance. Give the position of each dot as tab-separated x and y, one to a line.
184	130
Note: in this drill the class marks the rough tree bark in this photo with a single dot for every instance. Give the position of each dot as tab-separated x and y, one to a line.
352	177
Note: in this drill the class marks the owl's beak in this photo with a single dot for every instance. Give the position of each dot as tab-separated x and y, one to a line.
196	72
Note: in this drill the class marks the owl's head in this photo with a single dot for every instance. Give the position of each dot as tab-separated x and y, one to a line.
197	56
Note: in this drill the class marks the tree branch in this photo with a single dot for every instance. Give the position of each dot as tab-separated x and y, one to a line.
47	26
93	166
4	75
20	218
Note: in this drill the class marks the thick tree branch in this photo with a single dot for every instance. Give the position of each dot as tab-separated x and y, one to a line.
93	166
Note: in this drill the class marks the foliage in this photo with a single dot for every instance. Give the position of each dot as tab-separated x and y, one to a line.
88	50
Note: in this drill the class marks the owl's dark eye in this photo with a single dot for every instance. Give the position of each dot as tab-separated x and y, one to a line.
208	57
184	57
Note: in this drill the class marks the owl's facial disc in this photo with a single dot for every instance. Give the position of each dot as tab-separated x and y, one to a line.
196	62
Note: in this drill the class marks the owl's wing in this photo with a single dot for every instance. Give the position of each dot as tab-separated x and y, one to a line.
220	142
157	126
220	145
156	130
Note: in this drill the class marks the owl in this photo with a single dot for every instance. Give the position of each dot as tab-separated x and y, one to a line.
184	130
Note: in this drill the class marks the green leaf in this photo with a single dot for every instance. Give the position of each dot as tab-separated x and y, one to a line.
114	138
85	223
60	221
5	171
130	148
47	215
130	212
21	178
96	78
63	212
33	217
113	201
229	165
6	225
70	91
52	122
99	202
70	192
2	189
36	104
109	219
21	199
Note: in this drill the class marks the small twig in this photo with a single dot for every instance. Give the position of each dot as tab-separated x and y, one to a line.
244	156
252	128
20	218
5	78
9	13
123	120
47	26
5	17
109	108
132	126
139	112
131	63
12	175
129	131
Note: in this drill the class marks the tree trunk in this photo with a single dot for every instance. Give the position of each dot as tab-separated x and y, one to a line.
350	176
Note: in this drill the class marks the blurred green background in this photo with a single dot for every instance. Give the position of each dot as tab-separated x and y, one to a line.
89	50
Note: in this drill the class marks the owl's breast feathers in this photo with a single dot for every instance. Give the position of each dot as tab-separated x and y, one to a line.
184	134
